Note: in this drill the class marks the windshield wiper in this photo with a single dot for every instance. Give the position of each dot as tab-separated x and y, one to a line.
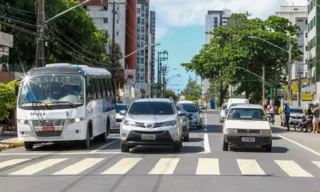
38	102
68	102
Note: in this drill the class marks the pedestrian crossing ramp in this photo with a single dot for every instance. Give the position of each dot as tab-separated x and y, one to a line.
162	166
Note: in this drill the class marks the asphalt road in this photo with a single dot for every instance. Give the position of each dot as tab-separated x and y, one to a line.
294	165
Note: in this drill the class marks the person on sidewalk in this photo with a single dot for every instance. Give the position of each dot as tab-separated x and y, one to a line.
271	109
315	120
287	111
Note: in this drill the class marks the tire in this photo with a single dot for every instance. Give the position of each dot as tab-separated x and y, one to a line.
28	145
124	148
177	147
269	147
104	136
299	127
86	142
186	138
225	145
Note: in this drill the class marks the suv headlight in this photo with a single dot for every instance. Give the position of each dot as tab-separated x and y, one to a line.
77	120
129	123
170	123
231	131
266	132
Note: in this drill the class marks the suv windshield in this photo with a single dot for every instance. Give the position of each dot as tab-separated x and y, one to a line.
151	108
121	107
253	114
189	107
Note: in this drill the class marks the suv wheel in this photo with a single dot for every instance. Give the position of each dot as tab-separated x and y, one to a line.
28	145
186	137
225	145
269	147
124	148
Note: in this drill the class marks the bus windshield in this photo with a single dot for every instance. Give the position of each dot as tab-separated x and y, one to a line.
52	89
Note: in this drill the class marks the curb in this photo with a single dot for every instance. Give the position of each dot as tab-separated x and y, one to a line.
11	145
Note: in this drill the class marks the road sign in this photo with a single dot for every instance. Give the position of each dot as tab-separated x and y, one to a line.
294	88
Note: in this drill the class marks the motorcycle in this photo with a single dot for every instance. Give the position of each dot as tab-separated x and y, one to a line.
306	123
269	119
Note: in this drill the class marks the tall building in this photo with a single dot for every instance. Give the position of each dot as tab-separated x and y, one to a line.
214	19
153	49
145	37
298	15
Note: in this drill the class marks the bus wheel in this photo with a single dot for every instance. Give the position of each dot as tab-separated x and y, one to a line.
86	142
28	145
104	136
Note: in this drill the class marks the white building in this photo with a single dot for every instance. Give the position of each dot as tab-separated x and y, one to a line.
298	15
102	16
214	18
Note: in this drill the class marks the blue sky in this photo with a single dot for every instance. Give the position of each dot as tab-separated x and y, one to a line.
180	27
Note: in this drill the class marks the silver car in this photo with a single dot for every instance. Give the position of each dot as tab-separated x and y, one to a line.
193	111
151	122
222	115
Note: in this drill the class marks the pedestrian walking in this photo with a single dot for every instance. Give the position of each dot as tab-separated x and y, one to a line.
287	111
271	110
315	120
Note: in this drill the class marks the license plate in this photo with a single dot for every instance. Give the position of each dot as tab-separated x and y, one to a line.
248	139
48	129
148	137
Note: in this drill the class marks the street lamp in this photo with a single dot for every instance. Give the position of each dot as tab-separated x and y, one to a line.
141	48
289	61
263	78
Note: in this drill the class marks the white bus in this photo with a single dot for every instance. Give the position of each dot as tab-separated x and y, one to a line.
64	102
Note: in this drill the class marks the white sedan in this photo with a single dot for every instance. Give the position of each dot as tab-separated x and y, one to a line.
247	126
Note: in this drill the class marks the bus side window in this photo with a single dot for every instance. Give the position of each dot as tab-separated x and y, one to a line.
111	87
97	87
90	89
102	88
106	87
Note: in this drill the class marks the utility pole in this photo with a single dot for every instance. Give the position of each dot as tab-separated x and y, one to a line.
263	87
299	87
164	72
40	33
113	53
162	56
289	75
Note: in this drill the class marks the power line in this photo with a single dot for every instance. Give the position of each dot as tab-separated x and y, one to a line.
17	21
16	9
18	28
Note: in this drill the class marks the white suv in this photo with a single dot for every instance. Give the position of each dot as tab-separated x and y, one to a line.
151	122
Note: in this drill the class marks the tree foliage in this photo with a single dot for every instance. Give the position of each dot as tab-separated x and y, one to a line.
234	46
170	93
8	100
192	90
72	37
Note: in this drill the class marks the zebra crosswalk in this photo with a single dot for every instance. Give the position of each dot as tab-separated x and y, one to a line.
161	166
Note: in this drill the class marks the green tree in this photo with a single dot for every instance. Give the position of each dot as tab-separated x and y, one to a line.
72	37
192	91
8	100
170	93
232	47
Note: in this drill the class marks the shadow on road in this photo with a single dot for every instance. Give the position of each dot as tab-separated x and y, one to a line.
165	150
275	149
195	139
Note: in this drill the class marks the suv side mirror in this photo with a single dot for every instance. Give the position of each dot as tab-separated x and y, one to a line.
181	113
122	112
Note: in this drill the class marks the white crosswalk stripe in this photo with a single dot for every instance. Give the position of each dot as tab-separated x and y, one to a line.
11	162
164	166
29	170
79	167
208	166
250	167
292	168
123	166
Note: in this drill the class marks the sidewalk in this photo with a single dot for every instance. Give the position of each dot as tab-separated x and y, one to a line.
9	139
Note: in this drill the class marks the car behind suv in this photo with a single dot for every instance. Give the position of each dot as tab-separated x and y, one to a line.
195	120
151	122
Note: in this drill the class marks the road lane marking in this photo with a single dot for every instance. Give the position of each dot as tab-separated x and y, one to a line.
317	163
250	167
29	170
104	146
292	168
79	167
206	144
63	153
208	166
12	162
300	145
165	166
123	166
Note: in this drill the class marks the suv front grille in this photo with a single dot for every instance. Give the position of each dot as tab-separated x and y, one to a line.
156	125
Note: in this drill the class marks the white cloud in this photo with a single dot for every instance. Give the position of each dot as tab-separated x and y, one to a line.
162	30
183	13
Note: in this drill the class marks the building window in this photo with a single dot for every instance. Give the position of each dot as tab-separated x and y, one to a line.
142	21
306	48
138	20
105	8
299	20
306	35
306	21
215	21
117	21
105	20
117	33
142	8
138	10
